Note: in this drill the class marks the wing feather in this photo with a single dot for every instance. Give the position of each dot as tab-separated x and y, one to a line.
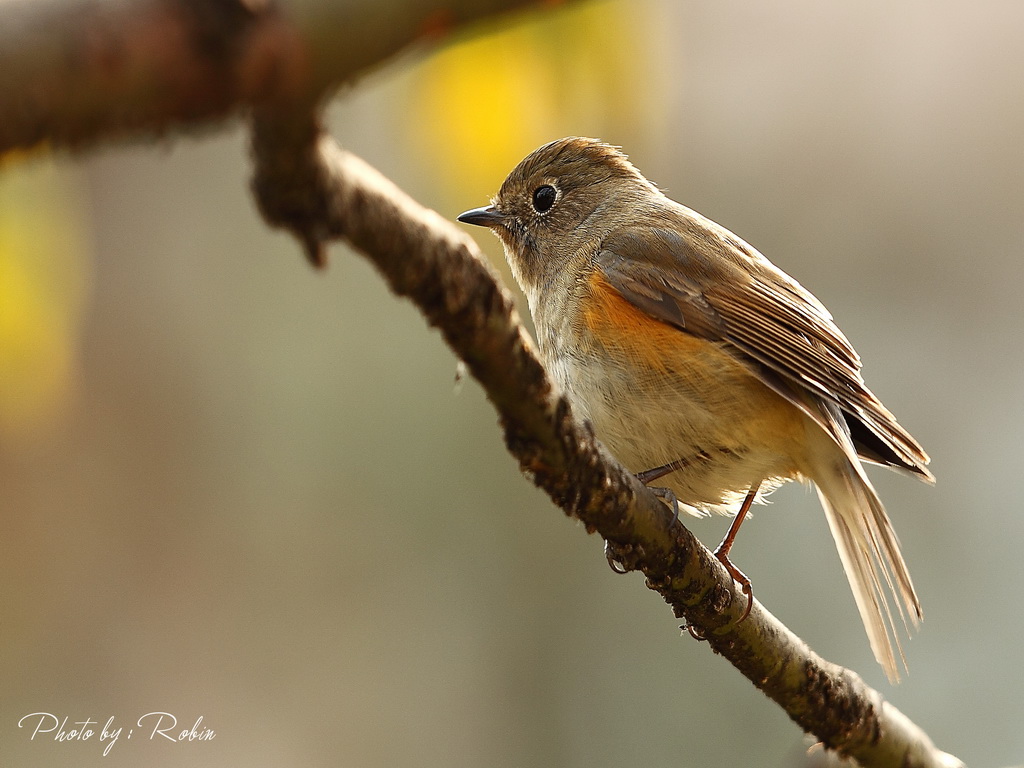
767	317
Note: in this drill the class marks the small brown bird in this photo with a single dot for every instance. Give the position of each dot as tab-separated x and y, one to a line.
700	363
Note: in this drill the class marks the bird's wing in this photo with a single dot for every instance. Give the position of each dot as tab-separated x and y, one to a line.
777	326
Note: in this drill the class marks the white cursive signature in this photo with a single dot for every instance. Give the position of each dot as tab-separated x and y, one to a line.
151	725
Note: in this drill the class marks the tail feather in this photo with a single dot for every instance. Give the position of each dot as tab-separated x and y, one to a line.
870	553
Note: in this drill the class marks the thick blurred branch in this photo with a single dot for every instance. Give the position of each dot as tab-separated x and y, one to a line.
73	72
306	183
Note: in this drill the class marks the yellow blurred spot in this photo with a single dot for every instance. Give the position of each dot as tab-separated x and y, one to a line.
42	290
479	102
480	105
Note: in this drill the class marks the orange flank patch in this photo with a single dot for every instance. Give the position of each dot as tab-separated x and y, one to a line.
619	324
706	392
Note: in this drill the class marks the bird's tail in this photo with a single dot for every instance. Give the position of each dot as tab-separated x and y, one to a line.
871	556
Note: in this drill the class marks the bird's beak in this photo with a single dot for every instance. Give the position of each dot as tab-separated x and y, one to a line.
483	217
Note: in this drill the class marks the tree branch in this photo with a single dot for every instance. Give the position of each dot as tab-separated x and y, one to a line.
73	72
306	183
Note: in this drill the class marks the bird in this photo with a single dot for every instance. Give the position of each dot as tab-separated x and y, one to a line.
702	366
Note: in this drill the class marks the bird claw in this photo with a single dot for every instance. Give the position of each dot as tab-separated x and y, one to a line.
667	495
696	634
738	577
613	560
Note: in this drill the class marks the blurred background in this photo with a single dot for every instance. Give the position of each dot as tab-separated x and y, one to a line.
236	488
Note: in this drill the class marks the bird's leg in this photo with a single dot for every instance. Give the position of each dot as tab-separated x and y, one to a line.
649	475
664	494
722	553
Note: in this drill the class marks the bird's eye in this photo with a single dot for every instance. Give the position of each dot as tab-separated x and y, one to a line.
543	198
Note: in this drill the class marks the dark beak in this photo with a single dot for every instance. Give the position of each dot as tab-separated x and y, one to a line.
483	217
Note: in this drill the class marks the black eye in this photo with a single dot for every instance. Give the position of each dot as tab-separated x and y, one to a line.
543	198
